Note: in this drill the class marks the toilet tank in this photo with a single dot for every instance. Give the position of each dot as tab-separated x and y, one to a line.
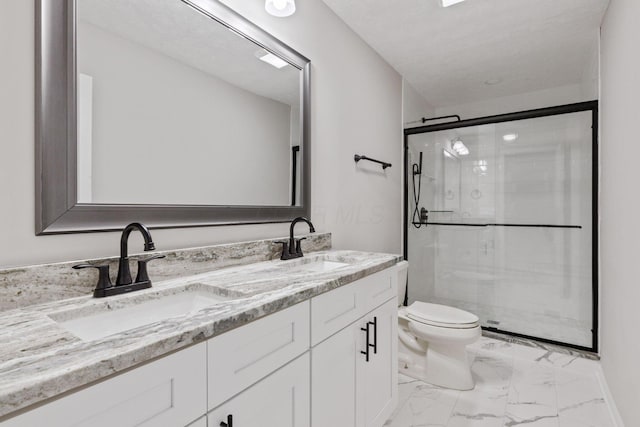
402	268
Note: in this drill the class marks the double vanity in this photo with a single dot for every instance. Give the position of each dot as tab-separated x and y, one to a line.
227	335
308	341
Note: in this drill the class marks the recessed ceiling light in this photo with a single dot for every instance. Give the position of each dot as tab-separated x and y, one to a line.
510	137
271	59
447	3
280	8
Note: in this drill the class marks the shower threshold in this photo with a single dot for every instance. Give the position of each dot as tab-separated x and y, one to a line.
535	342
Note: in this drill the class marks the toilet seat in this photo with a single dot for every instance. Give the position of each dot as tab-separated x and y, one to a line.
441	316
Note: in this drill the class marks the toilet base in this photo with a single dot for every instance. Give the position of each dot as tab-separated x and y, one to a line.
444	367
441	362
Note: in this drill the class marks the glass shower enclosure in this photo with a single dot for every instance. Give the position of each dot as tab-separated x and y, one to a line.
501	221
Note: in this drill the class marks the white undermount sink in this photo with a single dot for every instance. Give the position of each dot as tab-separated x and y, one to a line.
107	322
319	266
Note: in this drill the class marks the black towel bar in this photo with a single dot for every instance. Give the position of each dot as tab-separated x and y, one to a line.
358	157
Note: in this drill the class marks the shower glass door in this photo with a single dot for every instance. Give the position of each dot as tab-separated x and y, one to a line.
509	233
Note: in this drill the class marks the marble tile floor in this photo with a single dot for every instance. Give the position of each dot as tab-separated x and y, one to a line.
516	385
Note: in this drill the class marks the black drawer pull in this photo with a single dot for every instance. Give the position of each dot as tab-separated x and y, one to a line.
375	334
229	422
366	331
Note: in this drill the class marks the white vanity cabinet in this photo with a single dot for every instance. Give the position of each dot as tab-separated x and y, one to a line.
349	387
305	365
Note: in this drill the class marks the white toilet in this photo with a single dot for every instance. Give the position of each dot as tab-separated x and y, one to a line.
433	340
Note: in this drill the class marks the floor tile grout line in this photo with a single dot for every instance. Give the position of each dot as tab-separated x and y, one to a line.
453	407
506	403
555	386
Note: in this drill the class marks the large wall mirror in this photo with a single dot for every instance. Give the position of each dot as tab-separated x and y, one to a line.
175	113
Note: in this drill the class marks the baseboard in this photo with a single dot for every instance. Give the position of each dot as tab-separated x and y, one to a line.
611	403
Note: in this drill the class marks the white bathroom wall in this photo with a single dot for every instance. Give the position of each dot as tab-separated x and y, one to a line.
356	108
196	128
419	244
590	82
619	206
414	105
521	102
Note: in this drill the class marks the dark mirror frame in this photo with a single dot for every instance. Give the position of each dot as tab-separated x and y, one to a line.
57	208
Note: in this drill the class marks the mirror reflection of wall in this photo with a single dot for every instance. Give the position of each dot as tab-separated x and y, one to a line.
174	108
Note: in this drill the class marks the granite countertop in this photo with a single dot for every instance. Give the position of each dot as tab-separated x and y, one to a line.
39	359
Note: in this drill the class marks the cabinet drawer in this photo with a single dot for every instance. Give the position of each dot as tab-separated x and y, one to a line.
379	288
334	310
243	356
168	392
280	400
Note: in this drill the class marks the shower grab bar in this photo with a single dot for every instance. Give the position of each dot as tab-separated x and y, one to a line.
461	224
358	157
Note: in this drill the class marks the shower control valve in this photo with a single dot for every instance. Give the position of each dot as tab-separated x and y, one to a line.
424	215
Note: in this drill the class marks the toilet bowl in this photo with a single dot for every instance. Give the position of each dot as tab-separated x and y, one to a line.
433	339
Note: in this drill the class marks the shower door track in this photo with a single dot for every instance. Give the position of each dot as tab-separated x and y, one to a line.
509	117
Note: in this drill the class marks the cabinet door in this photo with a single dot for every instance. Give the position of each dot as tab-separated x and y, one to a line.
378	378
333	379
280	400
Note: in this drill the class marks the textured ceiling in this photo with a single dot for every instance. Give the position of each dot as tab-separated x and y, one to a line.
448	54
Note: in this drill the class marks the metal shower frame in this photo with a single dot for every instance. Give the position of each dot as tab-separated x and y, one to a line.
524	115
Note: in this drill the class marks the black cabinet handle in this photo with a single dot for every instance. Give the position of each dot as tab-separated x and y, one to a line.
229	422
375	334
366	331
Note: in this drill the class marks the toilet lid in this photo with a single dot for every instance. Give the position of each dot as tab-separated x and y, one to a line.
441	315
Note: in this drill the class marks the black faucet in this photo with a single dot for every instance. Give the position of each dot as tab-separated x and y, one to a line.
124	284
124	274
292	249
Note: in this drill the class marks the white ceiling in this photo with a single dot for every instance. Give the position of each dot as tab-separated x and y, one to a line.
448	54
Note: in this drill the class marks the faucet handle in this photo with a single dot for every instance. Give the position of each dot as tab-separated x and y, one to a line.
284	243
298	247
286	250
142	275
103	278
